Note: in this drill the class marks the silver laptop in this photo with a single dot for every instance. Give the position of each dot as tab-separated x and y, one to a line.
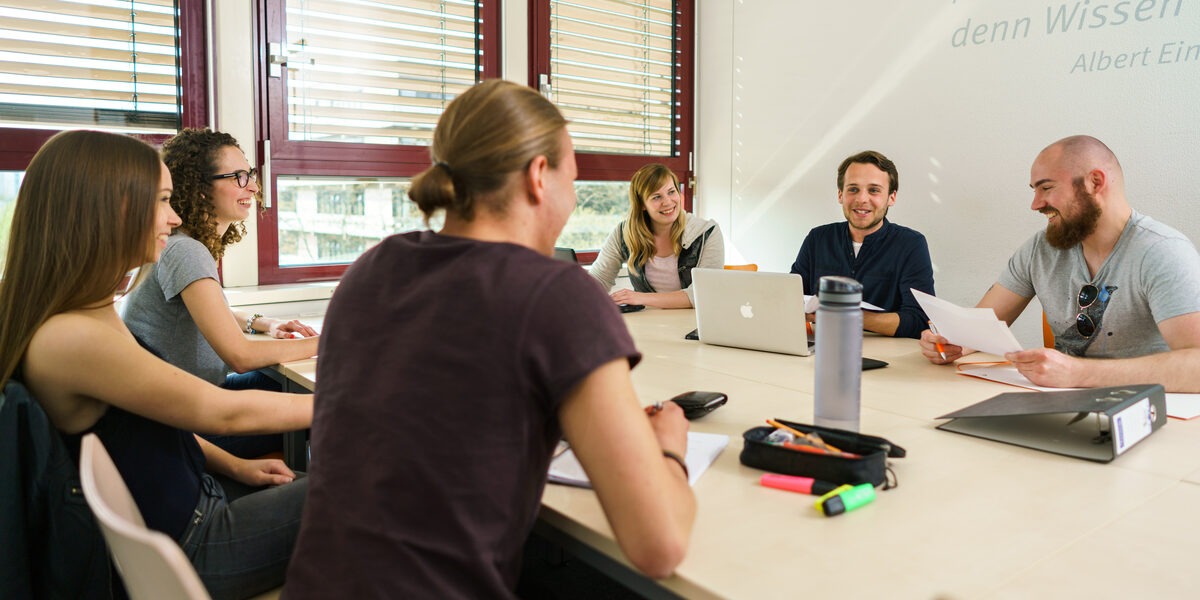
749	309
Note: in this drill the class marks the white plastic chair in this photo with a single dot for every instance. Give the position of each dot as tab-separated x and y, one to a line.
151	564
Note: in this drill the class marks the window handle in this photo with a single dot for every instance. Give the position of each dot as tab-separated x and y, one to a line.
276	59
265	174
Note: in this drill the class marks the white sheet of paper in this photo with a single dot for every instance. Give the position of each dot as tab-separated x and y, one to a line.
1007	374
703	449
976	328
1183	406
811	303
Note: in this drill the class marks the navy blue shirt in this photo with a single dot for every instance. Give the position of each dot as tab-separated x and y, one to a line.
891	260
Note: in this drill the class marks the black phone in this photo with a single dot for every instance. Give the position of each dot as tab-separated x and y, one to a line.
698	404
871	363
628	308
692	335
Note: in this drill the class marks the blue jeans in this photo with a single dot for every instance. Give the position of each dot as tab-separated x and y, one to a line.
249	446
240	546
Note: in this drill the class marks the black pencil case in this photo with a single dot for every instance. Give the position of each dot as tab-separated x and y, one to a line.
871	466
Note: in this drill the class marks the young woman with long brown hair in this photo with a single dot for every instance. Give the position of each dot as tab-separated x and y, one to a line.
92	206
659	243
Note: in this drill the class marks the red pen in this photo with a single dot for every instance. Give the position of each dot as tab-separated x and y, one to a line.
804	485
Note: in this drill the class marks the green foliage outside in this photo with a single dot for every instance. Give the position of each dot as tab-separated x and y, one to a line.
601	205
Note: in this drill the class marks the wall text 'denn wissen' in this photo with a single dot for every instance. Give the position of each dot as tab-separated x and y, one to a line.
1082	15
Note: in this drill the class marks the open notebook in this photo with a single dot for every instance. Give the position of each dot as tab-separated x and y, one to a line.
703	449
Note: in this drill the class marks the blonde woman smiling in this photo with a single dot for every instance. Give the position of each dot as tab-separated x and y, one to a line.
660	243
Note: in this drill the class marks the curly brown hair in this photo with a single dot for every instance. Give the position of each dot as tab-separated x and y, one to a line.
191	157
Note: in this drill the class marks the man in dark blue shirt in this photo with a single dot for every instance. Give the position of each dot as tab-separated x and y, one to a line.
887	259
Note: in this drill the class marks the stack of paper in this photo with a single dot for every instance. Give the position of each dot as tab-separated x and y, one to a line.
703	449
976	328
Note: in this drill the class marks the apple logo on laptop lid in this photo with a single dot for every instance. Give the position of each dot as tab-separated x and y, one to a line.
747	311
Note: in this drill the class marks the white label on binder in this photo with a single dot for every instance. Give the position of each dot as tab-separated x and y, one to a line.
1131	425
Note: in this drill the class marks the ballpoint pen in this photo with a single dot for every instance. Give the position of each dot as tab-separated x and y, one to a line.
941	349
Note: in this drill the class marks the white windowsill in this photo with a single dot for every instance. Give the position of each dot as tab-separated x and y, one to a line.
280	293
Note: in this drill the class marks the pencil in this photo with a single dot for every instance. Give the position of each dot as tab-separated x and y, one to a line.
815	442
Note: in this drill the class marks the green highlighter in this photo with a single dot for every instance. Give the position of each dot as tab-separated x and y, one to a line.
845	498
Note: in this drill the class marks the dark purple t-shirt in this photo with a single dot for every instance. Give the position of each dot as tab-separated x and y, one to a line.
443	362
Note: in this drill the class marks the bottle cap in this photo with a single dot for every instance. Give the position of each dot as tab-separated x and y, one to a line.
835	289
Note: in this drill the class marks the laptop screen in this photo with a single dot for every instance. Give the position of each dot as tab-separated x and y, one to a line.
566	254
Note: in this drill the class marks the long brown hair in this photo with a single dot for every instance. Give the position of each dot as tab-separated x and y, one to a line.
484	136
638	234
191	157
84	217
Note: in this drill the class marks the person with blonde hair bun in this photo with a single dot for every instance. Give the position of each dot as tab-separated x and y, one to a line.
93	206
452	364
659	243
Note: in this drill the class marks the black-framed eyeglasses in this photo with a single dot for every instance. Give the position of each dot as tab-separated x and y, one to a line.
242	177
1088	294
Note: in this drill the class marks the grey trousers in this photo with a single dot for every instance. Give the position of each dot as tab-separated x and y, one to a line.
240	540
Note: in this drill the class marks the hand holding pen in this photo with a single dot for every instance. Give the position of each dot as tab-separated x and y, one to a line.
669	425
937	348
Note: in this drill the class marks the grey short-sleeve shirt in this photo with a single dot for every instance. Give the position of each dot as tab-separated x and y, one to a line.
1153	274
155	312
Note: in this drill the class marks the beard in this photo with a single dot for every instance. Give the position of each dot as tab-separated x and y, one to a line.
1068	233
879	219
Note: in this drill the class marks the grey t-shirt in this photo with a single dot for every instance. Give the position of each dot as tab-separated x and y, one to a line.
155	312
1153	274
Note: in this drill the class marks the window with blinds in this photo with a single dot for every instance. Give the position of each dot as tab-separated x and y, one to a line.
377	72
106	64
612	73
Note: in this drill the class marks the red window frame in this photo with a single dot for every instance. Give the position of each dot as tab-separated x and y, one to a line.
19	145
621	167
328	158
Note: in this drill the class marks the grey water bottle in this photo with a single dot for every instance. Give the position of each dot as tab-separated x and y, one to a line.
839	353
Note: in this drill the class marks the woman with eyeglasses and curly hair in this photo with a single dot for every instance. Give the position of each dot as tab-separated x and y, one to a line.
180	310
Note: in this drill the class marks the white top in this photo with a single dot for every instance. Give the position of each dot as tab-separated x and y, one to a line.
857	247
663	273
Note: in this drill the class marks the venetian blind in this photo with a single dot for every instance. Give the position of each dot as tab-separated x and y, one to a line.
107	64
612	73
377	71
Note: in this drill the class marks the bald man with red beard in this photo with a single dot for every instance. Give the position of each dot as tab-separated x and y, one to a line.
1121	291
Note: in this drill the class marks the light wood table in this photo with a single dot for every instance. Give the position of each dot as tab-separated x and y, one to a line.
971	518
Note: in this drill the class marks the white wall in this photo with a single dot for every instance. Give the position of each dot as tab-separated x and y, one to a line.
233	88
788	89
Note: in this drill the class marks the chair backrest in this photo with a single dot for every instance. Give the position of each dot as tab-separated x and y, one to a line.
152	564
1047	333
749	267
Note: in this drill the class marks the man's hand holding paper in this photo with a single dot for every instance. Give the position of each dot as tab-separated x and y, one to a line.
939	350
960	327
1047	367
